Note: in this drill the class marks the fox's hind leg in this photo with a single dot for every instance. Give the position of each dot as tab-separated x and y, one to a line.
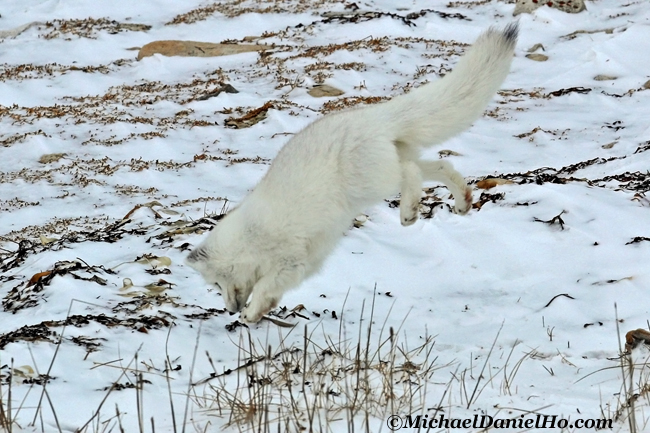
411	192
411	183
444	172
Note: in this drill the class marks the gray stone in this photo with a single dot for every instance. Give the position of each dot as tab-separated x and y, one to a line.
537	57
601	77
195	49
322	90
569	6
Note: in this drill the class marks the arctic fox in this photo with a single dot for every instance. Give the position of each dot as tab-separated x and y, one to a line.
335	168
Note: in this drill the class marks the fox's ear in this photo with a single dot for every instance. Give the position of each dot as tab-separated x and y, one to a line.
198	254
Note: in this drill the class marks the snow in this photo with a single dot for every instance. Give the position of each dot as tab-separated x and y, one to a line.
462	281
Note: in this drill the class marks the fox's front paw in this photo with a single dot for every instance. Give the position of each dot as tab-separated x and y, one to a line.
464	204
254	311
250	316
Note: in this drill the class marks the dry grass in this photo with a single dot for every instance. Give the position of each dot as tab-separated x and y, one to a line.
328	382
349	382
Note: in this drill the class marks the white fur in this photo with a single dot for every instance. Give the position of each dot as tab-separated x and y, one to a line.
338	166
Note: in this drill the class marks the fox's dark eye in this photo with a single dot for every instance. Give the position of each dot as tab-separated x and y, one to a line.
218	286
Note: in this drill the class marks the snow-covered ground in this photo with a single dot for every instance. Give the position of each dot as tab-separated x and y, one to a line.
111	169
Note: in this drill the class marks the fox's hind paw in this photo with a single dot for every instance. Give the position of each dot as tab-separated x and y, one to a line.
409	215
464	204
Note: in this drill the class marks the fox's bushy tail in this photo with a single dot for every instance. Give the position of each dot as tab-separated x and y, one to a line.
437	111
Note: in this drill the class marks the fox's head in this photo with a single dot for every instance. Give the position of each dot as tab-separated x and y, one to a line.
221	260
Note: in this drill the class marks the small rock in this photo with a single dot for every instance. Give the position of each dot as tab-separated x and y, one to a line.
491	182
360	220
126	284
568	6
609	145
51	157
195	49
537	57
605	77
323	90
